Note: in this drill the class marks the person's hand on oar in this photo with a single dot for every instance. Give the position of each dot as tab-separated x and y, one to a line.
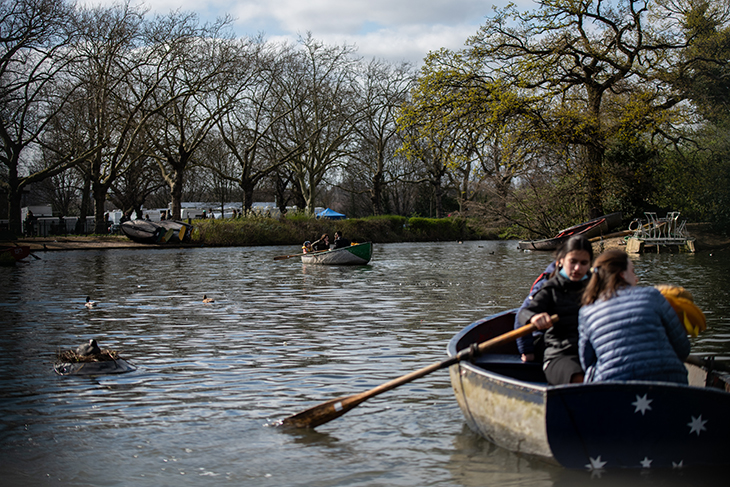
327	411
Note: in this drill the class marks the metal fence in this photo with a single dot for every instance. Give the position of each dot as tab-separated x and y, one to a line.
667	230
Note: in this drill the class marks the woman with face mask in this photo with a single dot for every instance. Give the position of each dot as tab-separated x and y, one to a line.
561	295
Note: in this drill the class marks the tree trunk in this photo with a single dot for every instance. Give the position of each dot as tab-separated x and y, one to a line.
376	193
100	192
176	194
593	162
247	189
14	191
14	219
438	193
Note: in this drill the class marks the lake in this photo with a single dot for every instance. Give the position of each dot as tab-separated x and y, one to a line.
281	337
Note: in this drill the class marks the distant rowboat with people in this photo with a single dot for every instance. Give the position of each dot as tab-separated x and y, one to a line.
355	254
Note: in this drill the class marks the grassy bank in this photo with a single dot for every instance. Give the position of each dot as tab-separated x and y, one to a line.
296	229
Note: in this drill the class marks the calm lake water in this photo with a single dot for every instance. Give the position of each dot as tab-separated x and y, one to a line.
281	337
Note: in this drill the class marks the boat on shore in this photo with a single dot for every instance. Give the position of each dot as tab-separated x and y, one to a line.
589	229
165	231
141	231
596	426
355	254
11	255
181	232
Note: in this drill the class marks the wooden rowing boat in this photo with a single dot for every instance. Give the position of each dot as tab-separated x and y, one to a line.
142	231
635	424
181	232
589	229
356	254
165	231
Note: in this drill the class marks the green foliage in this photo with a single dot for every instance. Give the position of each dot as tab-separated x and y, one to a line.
434	229
630	183
294	231
697	183
548	204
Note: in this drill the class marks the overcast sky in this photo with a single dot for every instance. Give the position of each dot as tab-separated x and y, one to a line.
395	30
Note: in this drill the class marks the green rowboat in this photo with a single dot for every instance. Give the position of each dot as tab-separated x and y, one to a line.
356	254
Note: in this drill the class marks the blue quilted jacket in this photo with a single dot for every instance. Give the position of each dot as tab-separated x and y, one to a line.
635	335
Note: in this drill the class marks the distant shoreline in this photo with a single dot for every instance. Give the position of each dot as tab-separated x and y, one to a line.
705	240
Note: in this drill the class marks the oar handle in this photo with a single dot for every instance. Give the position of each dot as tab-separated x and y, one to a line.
477	349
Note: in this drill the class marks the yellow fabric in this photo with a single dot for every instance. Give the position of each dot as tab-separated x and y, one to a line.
689	314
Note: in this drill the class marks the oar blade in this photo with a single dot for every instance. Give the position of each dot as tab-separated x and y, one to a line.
321	413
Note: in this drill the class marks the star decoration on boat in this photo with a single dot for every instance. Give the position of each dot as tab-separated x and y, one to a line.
678	465
595	463
642	404
697	425
646	462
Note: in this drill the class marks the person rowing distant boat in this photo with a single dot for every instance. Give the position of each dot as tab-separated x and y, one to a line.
322	244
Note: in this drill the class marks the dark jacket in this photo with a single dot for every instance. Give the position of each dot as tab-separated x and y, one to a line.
634	335
341	242
526	344
559	296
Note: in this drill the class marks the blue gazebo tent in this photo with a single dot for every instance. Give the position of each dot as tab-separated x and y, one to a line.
330	214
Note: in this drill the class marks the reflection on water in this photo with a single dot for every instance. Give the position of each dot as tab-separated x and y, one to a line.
280	337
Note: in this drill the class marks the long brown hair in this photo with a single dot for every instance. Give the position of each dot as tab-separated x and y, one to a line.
606	278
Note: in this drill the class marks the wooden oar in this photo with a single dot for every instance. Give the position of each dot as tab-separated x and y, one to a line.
282	257
327	411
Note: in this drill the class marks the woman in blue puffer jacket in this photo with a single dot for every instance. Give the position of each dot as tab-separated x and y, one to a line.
628	332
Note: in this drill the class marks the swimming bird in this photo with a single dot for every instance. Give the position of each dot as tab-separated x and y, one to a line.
90	348
206	299
89	303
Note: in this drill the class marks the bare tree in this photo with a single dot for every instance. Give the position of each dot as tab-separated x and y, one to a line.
200	86
248	129
319	95
384	90
34	55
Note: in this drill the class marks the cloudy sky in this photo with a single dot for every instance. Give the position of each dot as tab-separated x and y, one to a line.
395	30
